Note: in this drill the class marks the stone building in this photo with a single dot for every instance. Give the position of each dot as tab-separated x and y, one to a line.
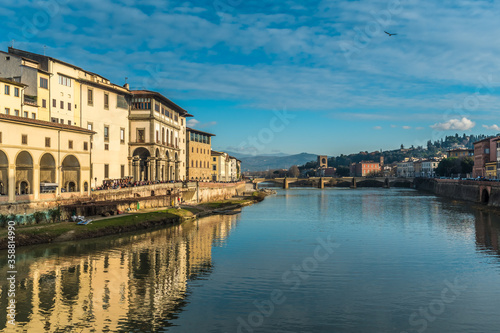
40	160
220	166
157	137
199	147
485	151
67	94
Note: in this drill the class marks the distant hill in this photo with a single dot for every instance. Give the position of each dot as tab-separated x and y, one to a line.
240	155
263	162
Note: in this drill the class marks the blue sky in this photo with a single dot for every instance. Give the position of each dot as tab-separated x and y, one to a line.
288	76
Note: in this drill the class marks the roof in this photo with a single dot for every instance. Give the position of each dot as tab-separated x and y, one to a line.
483	140
189	129
45	123
162	98
216	153
5	80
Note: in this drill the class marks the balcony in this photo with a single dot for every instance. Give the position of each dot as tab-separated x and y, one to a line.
30	100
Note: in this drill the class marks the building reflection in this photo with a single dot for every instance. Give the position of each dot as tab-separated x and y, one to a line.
139	284
487	226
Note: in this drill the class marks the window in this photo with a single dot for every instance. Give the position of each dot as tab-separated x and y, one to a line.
140	135
122	135
122	171
54	103
157	136
16	113
106	170
33	115
26	114
106	101
24	139
7	90
69	106
7	111
62	105
62	121
90	126
106	133
16	92
215	159
70	144
85	146
54	120
90	97
64	80
0	137
214	167
44	103
44	83
69	122
157	107
106	146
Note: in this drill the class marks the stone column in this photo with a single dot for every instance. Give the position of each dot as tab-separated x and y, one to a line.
130	170
12	183
152	168
36	182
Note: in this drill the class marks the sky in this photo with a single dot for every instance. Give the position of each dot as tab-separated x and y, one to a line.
318	76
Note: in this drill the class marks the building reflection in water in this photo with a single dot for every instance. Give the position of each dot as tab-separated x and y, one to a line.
487	226
138	282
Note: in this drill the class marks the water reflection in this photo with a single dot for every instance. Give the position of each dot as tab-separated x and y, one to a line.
135	282
487	228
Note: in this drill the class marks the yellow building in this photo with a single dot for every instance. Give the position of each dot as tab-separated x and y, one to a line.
41	160
199	145
491	170
68	94
157	138
220	166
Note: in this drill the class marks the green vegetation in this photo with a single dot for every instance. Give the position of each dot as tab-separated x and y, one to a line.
223	203
454	166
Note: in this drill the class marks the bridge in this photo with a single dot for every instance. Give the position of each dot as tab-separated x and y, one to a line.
386	181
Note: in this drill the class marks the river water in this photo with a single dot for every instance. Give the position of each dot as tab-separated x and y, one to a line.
304	260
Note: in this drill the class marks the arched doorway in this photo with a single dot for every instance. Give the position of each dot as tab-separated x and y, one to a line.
24	173
71	173
47	169
4	174
141	163
485	197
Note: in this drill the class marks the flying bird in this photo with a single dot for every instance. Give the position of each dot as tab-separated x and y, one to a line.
389	34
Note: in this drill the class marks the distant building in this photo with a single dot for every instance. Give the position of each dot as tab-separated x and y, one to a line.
491	170
460	152
485	151
322	161
199	155
220	170
405	169
364	168
429	168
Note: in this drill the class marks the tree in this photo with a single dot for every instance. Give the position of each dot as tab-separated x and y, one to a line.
467	164
343	171
293	171
449	166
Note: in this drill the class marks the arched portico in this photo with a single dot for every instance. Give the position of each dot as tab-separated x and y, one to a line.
4	174
70	177
24	173
141	164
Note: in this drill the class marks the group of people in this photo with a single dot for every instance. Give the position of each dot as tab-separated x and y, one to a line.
113	184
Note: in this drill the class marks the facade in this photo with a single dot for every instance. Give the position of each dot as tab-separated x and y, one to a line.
491	170
417	169
199	147
460	152
234	168
157	146
40	160
428	168
66	94
405	169
364	168
485	151
220	166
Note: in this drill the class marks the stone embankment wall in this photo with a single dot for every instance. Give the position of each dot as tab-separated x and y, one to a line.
484	192
151	196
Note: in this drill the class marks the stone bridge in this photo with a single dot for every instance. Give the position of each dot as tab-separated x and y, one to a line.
386	181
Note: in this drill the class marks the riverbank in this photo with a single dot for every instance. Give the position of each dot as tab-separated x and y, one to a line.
147	219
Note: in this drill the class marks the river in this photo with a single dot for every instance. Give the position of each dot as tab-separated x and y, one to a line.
304	260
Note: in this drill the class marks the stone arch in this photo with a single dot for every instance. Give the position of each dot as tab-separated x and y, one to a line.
70	173
485	196
4	174
24	173
47	169
141	162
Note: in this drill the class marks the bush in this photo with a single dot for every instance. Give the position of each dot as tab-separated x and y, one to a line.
54	215
39	217
3	220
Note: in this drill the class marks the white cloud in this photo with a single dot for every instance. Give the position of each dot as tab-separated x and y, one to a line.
492	128
406	127
419	128
455	124
393	126
192	122
377	127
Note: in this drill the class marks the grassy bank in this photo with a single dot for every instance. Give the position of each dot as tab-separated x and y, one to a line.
70	231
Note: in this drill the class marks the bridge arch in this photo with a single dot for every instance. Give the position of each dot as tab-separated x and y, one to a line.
485	196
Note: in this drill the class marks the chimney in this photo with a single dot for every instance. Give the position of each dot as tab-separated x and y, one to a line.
126	86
